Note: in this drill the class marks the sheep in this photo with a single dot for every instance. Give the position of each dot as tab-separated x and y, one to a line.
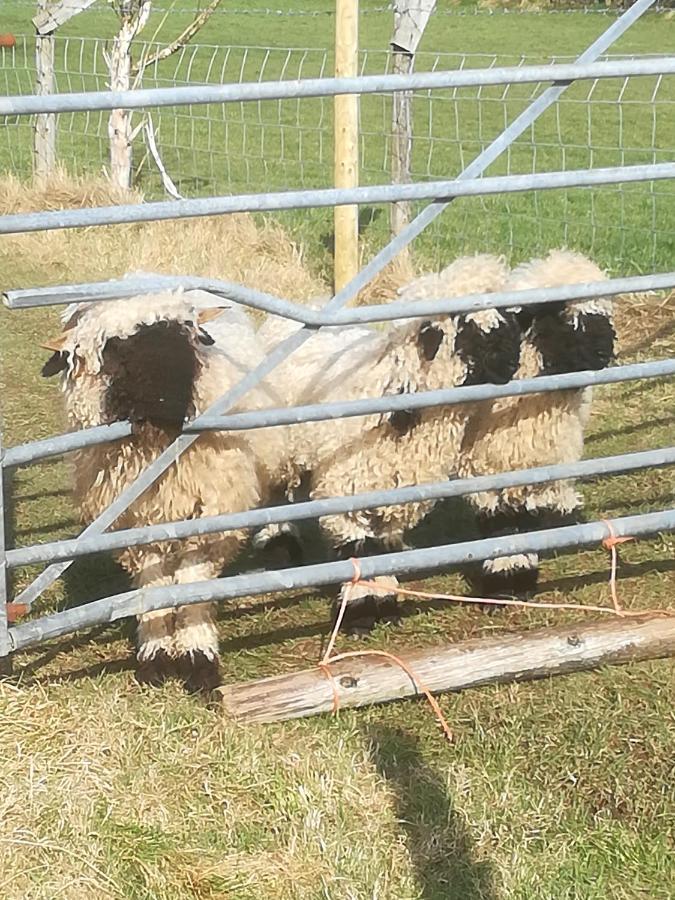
352	455
150	360
539	429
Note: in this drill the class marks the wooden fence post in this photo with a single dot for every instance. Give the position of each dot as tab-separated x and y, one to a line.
401	142
410	20
346	112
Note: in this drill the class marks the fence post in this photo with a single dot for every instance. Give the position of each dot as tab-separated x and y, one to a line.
5	647
410	20
45	123
346	112
401	142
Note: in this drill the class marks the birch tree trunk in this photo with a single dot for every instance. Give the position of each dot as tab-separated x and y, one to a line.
45	123
410	20
133	17
401	142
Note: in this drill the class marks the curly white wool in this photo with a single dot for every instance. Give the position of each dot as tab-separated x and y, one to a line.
219	473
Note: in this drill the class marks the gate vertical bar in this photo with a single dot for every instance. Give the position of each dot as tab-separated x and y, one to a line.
286	347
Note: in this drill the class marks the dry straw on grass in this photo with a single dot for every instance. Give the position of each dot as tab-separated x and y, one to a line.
236	247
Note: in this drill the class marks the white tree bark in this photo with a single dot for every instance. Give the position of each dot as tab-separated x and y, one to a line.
133	16
45	123
401	142
410	20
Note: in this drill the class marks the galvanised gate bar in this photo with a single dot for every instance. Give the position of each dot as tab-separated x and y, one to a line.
59	554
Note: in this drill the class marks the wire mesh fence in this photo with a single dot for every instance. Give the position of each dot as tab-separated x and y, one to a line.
286	144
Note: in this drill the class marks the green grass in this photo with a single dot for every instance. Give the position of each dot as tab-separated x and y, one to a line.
559	789
286	144
556	789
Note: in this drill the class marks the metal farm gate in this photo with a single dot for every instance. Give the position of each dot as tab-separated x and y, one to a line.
59	554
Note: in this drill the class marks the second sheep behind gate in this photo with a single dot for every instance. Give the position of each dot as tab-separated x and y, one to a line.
352	455
538	429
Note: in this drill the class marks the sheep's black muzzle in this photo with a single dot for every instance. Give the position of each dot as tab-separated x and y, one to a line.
151	376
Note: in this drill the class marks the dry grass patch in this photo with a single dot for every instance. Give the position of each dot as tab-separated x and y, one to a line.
237	247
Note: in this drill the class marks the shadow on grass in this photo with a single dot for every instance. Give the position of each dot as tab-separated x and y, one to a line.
626	430
51	529
437	838
627	570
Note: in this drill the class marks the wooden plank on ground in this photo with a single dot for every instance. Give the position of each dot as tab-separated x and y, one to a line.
363	681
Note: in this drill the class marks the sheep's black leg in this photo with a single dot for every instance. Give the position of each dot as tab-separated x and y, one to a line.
196	642
364	610
516	575
157	670
155	632
280	545
199	672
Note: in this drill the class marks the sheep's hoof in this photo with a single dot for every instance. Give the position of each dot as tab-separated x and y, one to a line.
507	584
200	673
281	545
364	610
156	670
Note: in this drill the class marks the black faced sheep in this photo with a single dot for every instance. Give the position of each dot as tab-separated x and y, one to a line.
538	429
149	360
352	455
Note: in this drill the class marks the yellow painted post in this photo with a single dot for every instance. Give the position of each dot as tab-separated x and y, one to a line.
346	113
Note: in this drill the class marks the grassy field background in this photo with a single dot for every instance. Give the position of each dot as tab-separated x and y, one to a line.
559	789
276	145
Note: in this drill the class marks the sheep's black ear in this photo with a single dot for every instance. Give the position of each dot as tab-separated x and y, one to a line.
205	338
430	338
58	362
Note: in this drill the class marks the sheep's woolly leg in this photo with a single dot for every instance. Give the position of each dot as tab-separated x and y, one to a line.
279	540
516	575
154	635
195	635
154	632
366	607
510	576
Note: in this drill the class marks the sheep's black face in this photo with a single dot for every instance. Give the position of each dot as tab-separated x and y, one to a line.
568	345
491	357
151	376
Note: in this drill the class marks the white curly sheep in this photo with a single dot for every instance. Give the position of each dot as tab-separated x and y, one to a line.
150	360
352	455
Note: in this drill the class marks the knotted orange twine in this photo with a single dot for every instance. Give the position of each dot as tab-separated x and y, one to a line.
327	659
610	543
